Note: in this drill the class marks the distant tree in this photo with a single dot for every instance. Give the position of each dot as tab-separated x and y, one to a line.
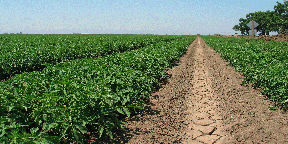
242	26
281	16
265	20
268	21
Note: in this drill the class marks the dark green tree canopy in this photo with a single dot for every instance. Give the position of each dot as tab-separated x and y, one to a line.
269	21
281	16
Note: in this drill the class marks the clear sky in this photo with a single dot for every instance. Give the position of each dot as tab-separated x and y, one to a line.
126	16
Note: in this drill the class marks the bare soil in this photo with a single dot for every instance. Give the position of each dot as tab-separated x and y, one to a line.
204	102
279	37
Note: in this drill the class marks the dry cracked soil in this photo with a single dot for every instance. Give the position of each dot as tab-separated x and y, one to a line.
205	102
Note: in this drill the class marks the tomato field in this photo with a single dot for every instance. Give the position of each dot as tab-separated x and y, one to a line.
61	88
65	101
24	53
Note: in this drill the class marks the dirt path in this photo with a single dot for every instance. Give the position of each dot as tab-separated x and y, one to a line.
204	102
206	122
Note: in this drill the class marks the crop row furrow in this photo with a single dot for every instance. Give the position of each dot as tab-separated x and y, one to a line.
265	64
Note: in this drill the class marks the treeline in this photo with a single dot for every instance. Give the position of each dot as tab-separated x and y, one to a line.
269	21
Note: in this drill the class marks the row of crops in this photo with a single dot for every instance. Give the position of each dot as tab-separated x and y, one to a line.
25	53
265	64
65	101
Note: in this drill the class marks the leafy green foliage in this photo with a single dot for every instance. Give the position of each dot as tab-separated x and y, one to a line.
281	16
268	21
26	53
263	64
66	101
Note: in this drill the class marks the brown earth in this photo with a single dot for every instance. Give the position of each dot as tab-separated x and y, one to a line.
279	37
204	102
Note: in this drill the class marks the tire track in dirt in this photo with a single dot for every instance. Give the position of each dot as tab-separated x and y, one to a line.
206	124
183	110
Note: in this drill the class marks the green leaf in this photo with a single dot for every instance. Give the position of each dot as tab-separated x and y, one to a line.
82	129
120	110
34	130
126	110
110	134
101	131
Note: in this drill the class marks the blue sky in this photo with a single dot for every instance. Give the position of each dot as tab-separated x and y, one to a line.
126	16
